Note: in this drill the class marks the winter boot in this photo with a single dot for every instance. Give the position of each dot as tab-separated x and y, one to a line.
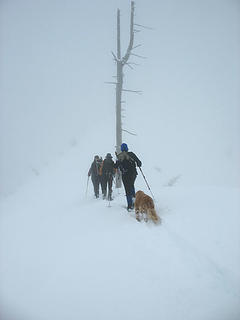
110	198
130	202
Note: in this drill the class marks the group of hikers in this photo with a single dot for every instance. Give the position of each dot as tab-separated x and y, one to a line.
102	173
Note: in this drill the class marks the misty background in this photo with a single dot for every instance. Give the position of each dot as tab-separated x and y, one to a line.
56	57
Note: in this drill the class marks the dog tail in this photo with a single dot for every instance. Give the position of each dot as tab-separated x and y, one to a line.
153	215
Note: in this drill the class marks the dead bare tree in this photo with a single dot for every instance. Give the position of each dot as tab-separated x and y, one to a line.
121	62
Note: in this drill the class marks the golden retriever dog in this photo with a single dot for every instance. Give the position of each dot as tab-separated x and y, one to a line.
144	205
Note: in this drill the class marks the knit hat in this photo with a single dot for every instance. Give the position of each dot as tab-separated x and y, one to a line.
109	156
124	147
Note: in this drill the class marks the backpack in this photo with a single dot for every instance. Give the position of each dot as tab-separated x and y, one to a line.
99	167
126	163
108	167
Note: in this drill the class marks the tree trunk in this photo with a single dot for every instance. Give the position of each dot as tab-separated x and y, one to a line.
120	64
118	99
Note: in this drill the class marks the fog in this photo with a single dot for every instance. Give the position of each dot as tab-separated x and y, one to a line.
67	255
56	57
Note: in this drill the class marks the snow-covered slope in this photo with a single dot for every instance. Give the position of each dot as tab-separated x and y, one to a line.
65	255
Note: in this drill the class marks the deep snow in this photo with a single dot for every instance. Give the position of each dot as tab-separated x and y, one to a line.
67	256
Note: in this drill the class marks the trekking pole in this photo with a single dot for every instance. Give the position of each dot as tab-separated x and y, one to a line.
146	181
87	187
114	180
109	202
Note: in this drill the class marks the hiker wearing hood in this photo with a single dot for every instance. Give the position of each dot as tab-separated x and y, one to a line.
108	172
95	173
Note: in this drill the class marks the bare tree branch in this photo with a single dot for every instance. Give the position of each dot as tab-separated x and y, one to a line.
114	56
139	45
129	65
134	91
145	27
130	45
134	63
118	36
137	55
133	134
108	82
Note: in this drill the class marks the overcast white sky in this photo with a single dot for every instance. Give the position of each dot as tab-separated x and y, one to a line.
56	55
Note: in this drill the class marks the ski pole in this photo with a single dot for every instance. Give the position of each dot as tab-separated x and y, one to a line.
87	187
109	201
146	181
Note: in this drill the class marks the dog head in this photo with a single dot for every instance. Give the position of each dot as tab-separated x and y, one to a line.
139	193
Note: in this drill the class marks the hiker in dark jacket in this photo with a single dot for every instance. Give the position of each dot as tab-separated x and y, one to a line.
108	172
100	162
95	173
127	162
